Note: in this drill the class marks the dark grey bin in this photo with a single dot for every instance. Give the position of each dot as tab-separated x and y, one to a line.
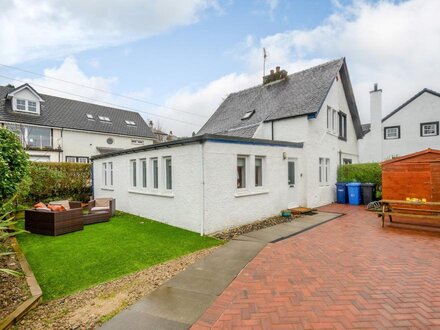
368	191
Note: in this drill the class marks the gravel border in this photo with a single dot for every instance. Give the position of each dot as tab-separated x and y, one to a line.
92	307
240	230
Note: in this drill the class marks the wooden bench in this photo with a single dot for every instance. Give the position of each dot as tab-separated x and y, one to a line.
408	212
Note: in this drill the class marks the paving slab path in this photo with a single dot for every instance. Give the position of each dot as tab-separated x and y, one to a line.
180	302
346	274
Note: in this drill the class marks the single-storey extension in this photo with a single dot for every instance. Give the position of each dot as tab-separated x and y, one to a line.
205	183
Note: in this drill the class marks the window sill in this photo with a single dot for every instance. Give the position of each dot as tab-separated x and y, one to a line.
251	193
107	188
153	193
342	138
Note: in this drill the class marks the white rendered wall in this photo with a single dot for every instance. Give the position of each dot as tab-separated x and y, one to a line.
425	108
225	205
180	207
80	143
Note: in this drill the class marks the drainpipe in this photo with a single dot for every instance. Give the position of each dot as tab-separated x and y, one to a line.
340	157
272	130
93	181
202	224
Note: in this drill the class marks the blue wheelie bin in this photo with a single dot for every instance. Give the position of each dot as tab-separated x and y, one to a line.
341	192
354	193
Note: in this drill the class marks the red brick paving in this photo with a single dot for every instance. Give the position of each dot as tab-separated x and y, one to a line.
347	273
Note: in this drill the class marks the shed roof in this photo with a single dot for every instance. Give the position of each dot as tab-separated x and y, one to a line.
413	155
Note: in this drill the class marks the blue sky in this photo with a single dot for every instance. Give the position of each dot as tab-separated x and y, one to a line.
190	56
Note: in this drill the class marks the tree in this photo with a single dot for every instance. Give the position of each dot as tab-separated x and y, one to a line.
14	164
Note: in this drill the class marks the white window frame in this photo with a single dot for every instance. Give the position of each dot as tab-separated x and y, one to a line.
262	159
244	176
143	168
90	116
154	172
168	176
110	169
70	159
104	174
133	173
324	171
27	105
130	123
137	142
434	127
389	136
104	118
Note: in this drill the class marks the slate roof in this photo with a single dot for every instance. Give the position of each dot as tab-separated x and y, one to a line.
65	113
366	128
301	93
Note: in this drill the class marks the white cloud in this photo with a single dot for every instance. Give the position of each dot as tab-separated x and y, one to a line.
394	44
50	28
273	4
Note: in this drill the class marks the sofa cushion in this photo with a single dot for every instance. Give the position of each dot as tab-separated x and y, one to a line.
56	208
64	203
99	208
102	202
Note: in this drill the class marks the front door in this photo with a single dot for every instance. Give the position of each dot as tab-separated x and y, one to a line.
292	181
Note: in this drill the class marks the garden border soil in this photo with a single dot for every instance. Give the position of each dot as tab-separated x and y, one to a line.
34	288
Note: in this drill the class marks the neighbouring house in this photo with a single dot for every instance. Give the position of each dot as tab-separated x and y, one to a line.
160	135
62	130
412	127
267	148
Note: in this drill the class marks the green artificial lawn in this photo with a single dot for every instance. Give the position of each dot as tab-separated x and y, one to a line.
105	251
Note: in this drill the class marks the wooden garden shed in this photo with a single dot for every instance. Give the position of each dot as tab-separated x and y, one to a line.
415	175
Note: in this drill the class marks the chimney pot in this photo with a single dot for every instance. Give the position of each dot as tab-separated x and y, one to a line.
272	72
375	86
278	69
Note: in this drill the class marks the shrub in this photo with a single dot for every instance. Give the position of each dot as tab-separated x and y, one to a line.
14	164
370	172
51	181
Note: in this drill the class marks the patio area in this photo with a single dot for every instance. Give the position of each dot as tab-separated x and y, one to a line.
347	273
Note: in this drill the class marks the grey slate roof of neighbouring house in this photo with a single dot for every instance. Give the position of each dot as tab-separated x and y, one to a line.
65	113
366	128
301	93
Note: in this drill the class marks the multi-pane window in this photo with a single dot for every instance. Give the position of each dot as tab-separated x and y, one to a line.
77	159
133	172
258	171
144	172
347	161
291	173
110	168
168	173
32	136
332	120
26	106
429	129
155	172
32	106
21	104
392	132
104	173
342	125
324	170
241	172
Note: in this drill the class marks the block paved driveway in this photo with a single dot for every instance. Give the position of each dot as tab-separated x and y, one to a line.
347	273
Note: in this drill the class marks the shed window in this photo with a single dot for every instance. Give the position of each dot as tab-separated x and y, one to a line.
258	171
241	172
392	132
429	129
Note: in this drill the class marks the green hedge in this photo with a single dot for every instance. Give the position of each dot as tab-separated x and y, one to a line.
51	181
365	173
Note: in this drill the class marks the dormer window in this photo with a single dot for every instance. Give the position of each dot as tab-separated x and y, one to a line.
89	116
130	123
248	115
104	118
25	106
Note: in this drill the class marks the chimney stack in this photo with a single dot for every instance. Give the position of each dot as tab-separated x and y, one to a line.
277	69
376	123
274	75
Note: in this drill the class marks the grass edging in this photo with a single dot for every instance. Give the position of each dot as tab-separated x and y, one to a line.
34	288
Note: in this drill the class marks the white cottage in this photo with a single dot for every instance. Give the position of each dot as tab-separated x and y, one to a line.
267	148
412	127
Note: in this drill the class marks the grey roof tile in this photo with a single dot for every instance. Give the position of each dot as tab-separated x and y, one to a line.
301	93
66	113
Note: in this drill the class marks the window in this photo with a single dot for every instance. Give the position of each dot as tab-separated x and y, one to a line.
89	116
429	129
241	172
130	122
329	118
144	172
332	120
104	118
32	136
110	167
342	126
110	140
258	171
104	173
137	142
21	104
155	172
168	173
324	170
26	106
133	172
291	173
347	161
392	132
248	115
77	159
